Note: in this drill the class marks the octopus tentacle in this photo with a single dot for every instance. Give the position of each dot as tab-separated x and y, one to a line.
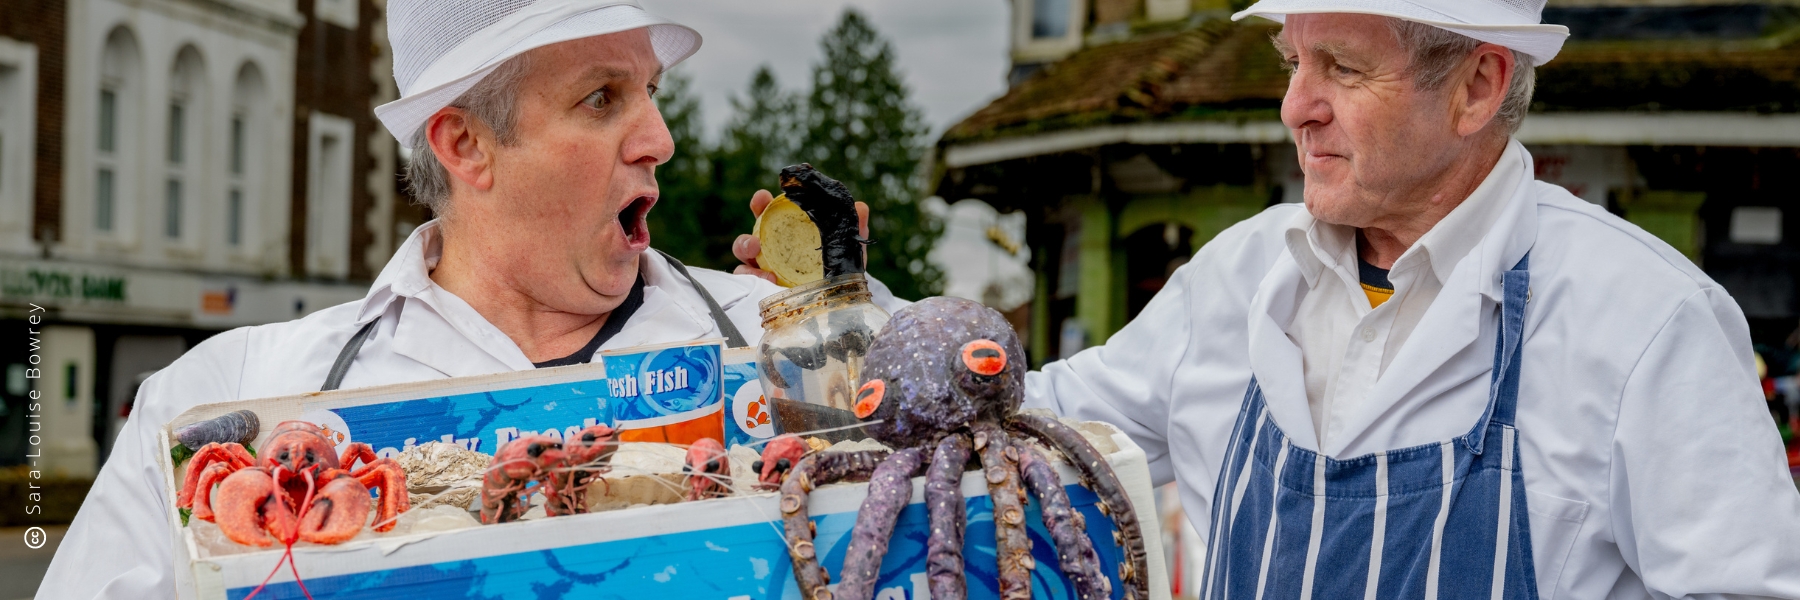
1012	545
890	489
813	470
1074	551
949	518
1099	476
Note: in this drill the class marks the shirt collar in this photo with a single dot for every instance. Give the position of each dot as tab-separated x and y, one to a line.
1317	246
408	273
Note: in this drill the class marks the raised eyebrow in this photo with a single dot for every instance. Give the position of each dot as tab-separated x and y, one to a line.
1281	45
604	73
1337	51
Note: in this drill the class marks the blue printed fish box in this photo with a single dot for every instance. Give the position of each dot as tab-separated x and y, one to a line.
726	549
748	418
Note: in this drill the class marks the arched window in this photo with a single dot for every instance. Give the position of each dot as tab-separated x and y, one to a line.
244	156
181	150
116	120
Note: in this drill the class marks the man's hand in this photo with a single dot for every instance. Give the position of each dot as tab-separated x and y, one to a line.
747	246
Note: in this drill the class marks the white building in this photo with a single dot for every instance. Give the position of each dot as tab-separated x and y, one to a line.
170	169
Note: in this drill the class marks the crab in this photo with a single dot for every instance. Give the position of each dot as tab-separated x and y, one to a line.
707	469
300	490
562	471
942	380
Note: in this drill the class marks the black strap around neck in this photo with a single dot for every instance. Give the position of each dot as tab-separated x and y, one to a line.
339	367
732	337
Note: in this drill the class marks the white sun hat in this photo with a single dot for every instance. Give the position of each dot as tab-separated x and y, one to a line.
1515	24
444	47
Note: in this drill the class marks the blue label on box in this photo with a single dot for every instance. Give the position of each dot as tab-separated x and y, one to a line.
744	562
664	386
481	421
748	419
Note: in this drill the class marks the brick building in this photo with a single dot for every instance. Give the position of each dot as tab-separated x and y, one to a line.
170	169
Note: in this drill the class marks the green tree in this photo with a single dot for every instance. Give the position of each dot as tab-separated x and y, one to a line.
685	183
757	142
862	130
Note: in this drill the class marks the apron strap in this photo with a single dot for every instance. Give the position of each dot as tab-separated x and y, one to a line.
1503	391
733	338
339	367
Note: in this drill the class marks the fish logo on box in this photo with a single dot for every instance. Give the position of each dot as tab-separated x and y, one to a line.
663	386
752	409
333	426
749	419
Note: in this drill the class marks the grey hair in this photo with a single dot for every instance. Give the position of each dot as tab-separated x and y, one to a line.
1436	53
494	102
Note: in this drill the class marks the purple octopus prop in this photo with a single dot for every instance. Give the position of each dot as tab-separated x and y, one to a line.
939	385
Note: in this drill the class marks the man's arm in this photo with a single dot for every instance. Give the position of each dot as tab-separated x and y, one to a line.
1180	368
1702	502
1128	381
120	545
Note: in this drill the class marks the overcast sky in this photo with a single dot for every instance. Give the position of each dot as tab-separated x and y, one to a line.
951	52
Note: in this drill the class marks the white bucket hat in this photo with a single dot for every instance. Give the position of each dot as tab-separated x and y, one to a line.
1515	24
444	47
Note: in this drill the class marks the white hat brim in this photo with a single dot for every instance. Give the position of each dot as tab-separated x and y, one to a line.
1540	41
671	41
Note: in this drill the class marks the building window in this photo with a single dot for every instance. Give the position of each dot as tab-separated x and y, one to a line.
328	195
18	134
109	121
237	144
103	200
18	137
177	152
177	133
1049	18
234	218
234	201
246	161
118	117
172	210
186	149
109	145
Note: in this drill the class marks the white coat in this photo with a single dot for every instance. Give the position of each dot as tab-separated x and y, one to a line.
120	545
1651	466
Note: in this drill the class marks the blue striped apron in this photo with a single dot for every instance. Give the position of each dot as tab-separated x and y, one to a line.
1441	520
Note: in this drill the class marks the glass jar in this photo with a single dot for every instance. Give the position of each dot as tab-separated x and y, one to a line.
815	336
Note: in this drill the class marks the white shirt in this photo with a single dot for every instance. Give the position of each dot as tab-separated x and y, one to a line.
120	545
1651	466
1345	344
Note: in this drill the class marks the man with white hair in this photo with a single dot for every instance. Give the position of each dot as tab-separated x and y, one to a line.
535	139
1441	378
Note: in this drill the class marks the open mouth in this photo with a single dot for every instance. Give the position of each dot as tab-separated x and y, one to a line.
632	223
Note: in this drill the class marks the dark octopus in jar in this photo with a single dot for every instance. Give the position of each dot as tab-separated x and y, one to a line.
833	210
943	380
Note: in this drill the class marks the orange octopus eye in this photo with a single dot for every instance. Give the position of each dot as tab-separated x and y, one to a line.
869	397
984	357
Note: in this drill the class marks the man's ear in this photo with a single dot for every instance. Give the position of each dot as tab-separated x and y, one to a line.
1481	87
463	144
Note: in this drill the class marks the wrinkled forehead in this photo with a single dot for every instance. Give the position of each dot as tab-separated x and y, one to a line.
1341	35
586	62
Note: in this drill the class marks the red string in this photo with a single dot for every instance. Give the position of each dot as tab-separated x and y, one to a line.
287	556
